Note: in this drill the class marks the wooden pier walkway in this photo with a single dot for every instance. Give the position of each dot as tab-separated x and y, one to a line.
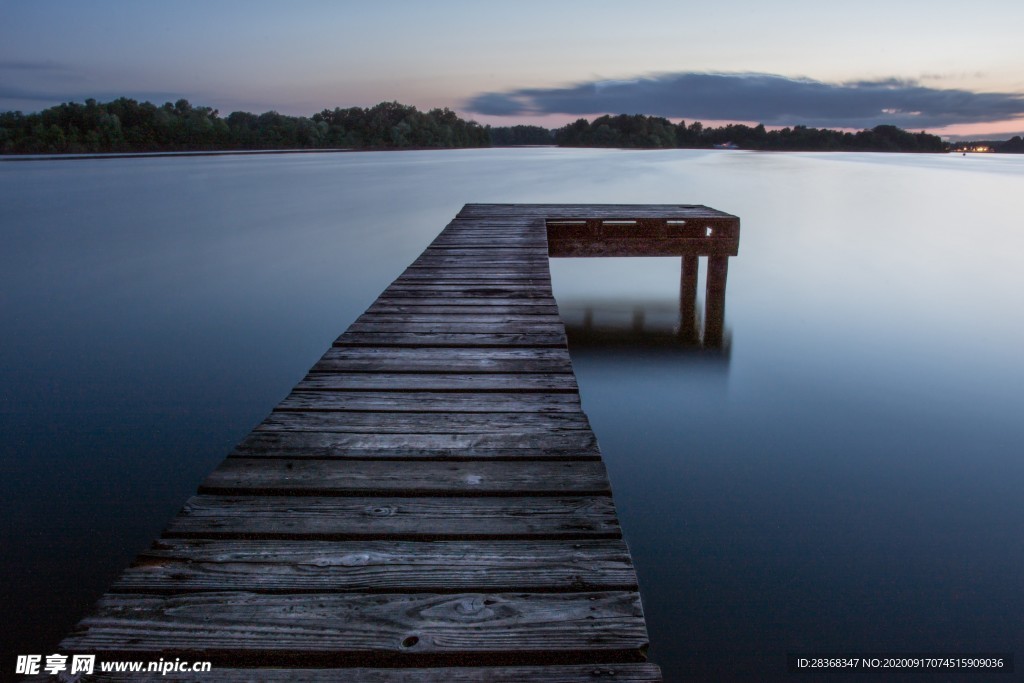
429	503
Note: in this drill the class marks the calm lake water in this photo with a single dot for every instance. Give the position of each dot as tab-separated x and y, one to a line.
845	476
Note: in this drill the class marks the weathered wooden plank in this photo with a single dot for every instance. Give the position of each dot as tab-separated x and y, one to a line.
466	444
470	315
516	225
425	275
498	243
484	284
442	299
507	229
496	227
473	230
513	251
470	231
505	233
467	365
489	239
520	224
580	673
483	245
448	360
486	233
442	311
418	279
480	257
493	241
474	286
505	272
642	230
375	629
422	423
507	269
626	248
493	251
521	212
481	261
427	297
427	401
451	340
499	382
469	321
422	518
519	274
526	305
450	284
478	260
540	269
527	264
302	477
458	292
453	447
471	281
448	355
508	226
498	291
453	325
185	565
512	225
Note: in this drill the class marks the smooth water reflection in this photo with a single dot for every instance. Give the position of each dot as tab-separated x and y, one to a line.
844	475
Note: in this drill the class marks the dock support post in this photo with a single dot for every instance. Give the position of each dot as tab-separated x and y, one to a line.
688	331
714	301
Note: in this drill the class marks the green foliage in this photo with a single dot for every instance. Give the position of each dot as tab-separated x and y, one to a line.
656	132
1014	144
125	125
511	136
619	131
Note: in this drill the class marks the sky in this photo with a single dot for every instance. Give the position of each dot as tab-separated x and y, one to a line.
945	67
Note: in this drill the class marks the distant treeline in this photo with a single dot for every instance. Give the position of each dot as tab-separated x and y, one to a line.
510	136
125	125
653	132
1014	145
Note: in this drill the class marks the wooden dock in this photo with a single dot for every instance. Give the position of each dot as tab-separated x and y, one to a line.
429	503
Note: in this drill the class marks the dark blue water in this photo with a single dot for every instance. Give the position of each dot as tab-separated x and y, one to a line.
845	475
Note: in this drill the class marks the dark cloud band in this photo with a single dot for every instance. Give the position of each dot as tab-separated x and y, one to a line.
765	98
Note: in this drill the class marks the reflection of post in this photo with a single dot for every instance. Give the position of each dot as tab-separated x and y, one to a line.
688	299
638	320
714	306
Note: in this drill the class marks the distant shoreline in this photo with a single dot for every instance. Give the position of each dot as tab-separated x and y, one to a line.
235	152
9	157
126	128
143	155
95	130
